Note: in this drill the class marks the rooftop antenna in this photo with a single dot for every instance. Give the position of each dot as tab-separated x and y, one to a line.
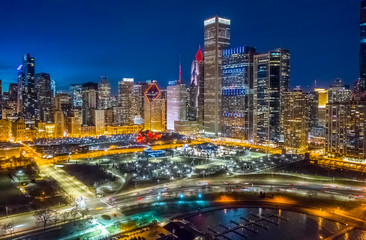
180	70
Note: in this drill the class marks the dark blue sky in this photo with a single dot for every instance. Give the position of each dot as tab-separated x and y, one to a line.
78	41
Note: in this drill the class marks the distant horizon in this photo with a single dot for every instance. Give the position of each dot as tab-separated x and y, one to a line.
77	43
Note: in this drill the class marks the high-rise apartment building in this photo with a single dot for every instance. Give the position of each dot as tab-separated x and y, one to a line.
363	46
10	101
90	96
294	120
27	95
316	115
271	78
346	129
126	101
176	104
155	109
237	93
195	104
338	92
76	93
44	95
104	94
216	39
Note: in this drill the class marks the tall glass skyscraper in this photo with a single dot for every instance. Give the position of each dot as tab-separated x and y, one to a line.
27	95
363	46
76	96
176	104
104	94
45	94
271	79
237	92
216	39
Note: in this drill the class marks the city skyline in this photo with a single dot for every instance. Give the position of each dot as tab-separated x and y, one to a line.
158	54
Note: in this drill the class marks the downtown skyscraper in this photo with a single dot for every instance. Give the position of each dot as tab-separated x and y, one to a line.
176	104
90	96
195	104
363	45
76	93
237	92
104	94
216	39
45	95
27	105
125	112
271	79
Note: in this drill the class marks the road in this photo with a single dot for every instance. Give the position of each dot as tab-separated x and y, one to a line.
99	206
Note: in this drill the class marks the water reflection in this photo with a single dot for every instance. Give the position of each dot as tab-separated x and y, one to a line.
299	227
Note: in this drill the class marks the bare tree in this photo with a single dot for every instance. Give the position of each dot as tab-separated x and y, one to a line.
44	215
84	211
7	227
56	216
64	216
74	212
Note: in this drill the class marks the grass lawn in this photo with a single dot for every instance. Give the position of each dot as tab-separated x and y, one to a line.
113	228
8	192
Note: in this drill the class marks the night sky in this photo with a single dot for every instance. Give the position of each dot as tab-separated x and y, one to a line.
78	41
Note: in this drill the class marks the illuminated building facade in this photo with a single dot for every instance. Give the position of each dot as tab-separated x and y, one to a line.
18	129
87	131
5	130
108	117
46	130
59	119
98	121
104	94
90	96
126	101
237	93
76	92
346	129
113	130
271	78
73	124
363	46
62	102
27	95
44	94
195	104
139	98
294	120
216	39
176	104
338	92
316	114
187	127
155	109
